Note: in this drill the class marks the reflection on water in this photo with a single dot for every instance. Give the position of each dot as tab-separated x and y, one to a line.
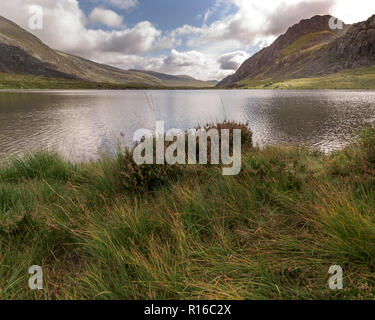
82	124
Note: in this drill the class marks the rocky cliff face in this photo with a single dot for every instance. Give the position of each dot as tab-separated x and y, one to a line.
310	48
357	47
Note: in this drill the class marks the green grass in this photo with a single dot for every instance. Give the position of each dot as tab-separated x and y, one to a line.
272	232
17	81
363	78
304	41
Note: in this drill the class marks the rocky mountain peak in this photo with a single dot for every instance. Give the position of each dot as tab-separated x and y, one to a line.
308	33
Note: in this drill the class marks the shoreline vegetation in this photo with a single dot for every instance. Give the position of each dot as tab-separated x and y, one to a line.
271	232
18	81
361	78
356	79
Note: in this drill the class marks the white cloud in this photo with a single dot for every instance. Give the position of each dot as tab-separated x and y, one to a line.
353	11
197	64
184	59
137	40
211	51
124	4
65	29
232	60
106	17
254	21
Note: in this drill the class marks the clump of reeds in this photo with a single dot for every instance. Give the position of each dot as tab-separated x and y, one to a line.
147	177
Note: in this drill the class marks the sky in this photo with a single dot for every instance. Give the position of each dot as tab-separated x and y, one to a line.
206	39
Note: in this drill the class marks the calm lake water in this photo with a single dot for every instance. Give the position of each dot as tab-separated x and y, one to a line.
83	124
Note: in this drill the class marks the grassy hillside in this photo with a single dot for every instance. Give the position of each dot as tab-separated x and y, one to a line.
179	80
303	51
310	41
271	232
16	81
312	56
23	53
362	78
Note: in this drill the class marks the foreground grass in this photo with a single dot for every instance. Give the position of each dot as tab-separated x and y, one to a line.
271	232
363	78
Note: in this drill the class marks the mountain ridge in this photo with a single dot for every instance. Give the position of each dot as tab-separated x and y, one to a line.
23	53
308	49
176	79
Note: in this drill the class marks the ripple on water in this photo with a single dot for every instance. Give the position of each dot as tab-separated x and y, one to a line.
83	124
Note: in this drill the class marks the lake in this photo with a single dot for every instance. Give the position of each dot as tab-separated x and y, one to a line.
83	124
